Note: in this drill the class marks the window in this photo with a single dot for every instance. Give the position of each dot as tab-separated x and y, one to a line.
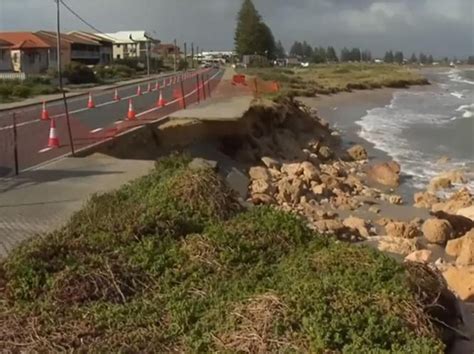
118	56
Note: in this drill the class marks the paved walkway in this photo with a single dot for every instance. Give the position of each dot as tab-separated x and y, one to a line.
229	102
42	200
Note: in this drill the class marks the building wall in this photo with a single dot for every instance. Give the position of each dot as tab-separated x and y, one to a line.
5	60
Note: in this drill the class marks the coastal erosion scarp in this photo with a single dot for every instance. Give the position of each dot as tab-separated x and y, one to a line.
282	154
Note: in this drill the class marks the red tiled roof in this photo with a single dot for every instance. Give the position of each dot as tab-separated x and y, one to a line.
66	38
23	40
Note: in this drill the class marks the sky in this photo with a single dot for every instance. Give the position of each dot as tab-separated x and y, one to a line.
439	27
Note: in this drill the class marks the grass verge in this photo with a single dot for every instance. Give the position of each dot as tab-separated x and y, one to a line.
170	263
334	78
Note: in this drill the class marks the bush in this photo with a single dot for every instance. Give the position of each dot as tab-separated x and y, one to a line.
22	91
116	71
78	73
169	264
6	90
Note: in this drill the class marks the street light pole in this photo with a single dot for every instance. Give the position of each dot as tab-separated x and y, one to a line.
174	50
60	75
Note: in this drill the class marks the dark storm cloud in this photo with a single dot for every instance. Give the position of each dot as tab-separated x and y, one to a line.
438	26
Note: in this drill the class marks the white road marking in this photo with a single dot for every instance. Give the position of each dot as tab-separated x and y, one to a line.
96	130
45	150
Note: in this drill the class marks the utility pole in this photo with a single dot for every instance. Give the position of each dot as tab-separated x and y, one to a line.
192	55
60	74
197	54
174	50
186	56
147	49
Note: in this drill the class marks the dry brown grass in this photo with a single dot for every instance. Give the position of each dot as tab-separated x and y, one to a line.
254	331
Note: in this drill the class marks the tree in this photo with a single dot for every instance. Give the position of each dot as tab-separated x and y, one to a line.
331	55
280	50
430	59
297	49
356	54
423	58
413	59
345	54
389	57
398	57
320	55
366	55
307	51
470	60
252	35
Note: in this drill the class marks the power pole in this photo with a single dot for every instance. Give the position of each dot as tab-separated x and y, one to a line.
192	55
60	74
186	56
197	54
174	50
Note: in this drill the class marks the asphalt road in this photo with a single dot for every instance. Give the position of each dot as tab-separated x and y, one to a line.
90	126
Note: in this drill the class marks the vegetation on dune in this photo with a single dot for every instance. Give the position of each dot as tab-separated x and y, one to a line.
13	90
171	263
334	78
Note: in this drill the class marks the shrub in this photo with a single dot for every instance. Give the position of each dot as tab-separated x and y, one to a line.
78	73
22	91
6	90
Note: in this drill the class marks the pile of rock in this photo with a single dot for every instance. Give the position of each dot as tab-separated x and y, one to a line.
298	166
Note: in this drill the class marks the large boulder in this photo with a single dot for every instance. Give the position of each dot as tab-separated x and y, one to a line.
439	183
425	200
461	281
461	225
396	247
402	230
437	231
259	173
271	163
357	224
292	169
310	172
260	186
332	226
386	173
357	153
290	190
467	212
459	200
466	254
421	256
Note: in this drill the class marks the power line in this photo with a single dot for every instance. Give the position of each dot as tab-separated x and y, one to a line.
83	20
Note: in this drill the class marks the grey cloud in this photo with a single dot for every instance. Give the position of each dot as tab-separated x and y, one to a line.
438	26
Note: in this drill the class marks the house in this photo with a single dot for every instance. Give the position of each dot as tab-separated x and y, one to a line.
131	44
5	57
106	45
24	52
166	50
75	48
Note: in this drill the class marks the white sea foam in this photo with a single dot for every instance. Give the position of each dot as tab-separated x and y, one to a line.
468	114
457	95
455	76
387	129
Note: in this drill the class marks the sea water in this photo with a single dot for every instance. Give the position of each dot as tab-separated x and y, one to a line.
421	125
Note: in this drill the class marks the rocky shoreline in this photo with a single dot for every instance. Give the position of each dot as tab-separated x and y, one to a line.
297	164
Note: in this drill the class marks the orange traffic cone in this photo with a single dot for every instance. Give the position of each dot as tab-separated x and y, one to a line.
53	141
131	112
90	103
139	90
161	101
44	112
116	95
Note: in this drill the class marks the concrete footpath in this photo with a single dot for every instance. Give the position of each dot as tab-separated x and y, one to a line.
229	102
42	200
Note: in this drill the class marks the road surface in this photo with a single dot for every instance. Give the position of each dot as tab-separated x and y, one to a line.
90	126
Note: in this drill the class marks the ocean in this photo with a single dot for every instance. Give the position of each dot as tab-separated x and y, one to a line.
423	124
